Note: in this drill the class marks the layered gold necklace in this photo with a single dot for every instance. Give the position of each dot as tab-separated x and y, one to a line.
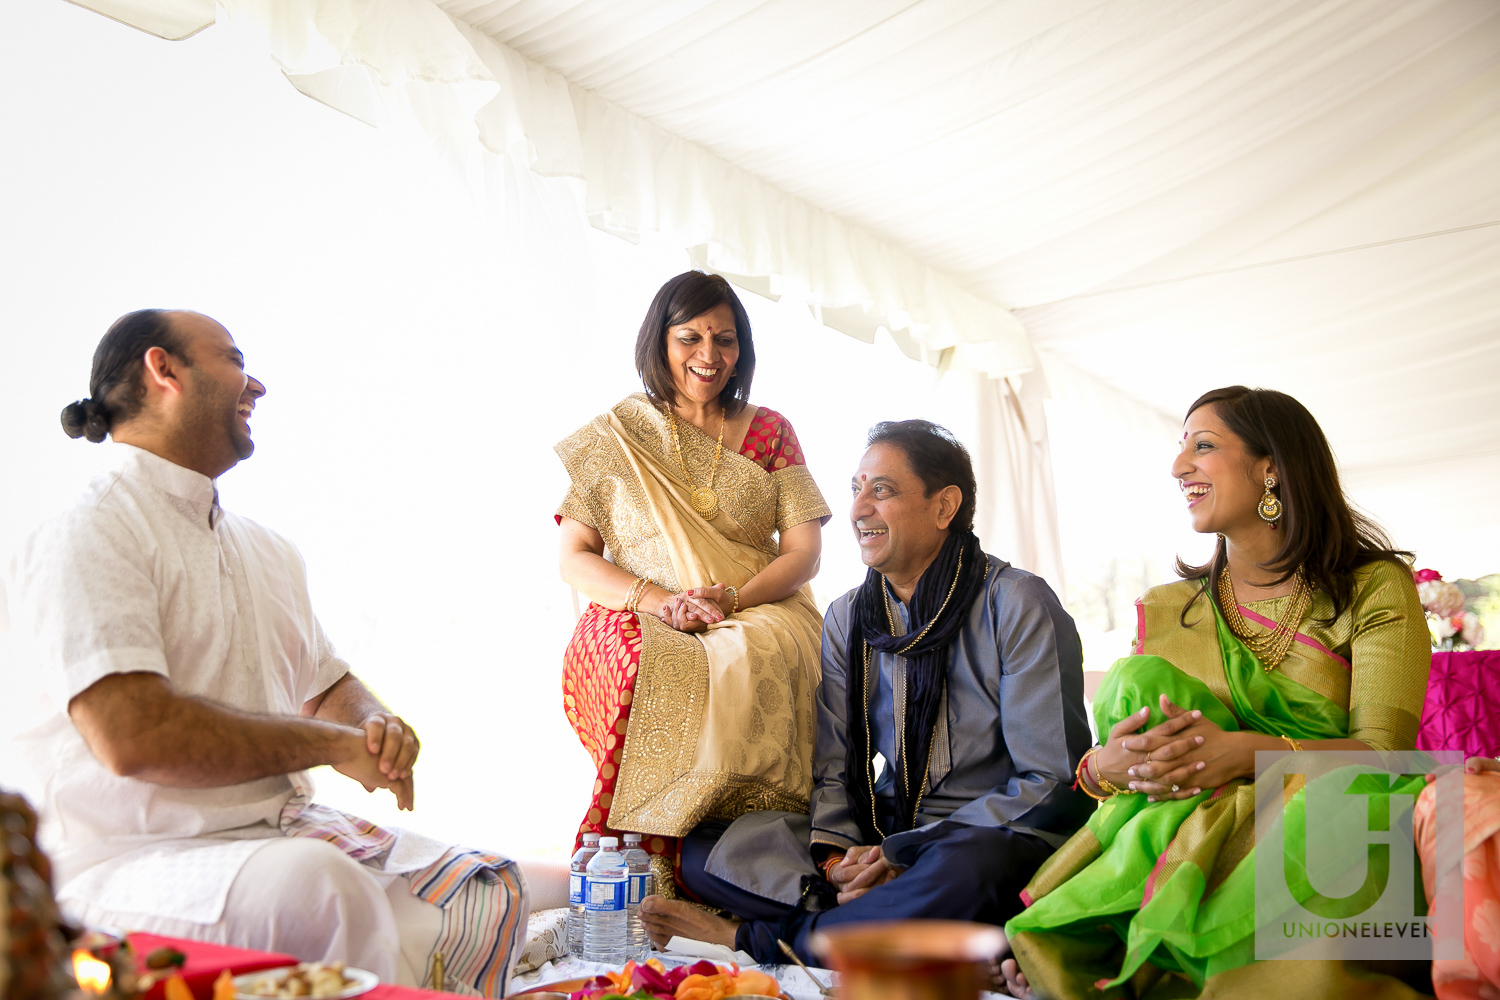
703	498
1269	647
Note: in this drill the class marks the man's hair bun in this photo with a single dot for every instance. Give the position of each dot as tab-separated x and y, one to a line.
86	418
116	391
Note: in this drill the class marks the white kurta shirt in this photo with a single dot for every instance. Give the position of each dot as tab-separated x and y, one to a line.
147	573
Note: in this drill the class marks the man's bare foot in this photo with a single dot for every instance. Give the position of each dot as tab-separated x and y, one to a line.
1015	979
665	919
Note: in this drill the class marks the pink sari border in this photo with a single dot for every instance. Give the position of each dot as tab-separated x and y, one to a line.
1140	627
1155	871
1315	644
1162	858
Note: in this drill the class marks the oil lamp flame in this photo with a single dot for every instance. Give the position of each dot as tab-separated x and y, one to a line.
92	974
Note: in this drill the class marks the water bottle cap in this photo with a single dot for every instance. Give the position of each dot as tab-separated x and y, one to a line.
591	838
632	838
608	843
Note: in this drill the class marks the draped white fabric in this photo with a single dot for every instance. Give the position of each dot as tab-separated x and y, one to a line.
381	60
1169	195
511	123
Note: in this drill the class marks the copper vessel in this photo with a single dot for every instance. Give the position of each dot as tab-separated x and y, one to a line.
911	959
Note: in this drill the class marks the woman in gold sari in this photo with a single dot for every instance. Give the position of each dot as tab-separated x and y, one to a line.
693	526
1302	632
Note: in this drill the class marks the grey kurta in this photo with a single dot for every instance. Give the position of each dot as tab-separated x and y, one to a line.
1015	730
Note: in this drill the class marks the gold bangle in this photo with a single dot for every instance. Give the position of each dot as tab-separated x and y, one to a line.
734	593
1103	782
633	598
1082	781
1296	747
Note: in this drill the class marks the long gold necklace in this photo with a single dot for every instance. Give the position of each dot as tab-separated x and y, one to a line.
703	498
1269	647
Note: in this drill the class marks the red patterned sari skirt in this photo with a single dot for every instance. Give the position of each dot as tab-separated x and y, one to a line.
599	672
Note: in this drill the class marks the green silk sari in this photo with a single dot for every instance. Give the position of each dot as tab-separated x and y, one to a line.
1159	898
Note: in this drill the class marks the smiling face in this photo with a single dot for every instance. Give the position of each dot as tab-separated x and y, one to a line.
701	354
899	529
218	397
1221	481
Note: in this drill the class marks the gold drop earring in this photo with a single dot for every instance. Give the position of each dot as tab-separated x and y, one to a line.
1269	507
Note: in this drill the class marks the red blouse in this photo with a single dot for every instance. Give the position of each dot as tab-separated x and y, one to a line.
770	442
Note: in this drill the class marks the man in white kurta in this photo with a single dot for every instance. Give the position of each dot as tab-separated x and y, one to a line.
193	686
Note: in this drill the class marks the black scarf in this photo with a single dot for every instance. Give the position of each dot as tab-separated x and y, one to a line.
939	607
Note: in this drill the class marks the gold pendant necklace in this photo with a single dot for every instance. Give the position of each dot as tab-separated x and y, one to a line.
1272	647
703	498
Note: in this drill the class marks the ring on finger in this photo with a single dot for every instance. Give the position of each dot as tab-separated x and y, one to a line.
1174	788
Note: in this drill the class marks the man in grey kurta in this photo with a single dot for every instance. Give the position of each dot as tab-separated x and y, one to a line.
1000	748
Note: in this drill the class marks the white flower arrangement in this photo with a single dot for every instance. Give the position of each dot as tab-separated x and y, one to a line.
1448	622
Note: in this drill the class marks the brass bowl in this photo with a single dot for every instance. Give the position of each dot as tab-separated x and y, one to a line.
911	959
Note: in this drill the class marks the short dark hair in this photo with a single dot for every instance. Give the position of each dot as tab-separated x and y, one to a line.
690	294
1320	531
938	459
116	386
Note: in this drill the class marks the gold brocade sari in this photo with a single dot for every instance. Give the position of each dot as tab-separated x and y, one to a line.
1157	900
687	727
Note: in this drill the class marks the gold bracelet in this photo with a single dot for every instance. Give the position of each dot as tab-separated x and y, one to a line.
1296	747
633	598
734	593
1102	781
1082	782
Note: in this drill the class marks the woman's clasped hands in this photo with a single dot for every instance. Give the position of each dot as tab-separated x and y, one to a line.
694	610
1175	759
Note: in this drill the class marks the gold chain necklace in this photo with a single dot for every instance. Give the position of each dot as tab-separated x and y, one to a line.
703	498
1270	647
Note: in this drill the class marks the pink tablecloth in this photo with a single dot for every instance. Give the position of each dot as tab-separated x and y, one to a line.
1463	704
206	961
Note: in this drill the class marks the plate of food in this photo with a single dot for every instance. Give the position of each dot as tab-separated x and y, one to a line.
650	980
313	980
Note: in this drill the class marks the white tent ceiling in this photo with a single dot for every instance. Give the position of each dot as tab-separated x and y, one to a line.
1084	162
1168	194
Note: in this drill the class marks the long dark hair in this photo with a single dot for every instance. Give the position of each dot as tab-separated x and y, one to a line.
1320	531
116	389
690	294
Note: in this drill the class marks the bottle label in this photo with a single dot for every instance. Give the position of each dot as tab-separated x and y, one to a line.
606	896
575	888
641	886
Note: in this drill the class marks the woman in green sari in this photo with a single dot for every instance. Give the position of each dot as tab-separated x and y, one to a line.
1302	632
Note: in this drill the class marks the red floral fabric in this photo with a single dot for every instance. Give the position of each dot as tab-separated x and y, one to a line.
770	442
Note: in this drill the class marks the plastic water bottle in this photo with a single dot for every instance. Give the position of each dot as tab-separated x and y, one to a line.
604	915
577	886
642	884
